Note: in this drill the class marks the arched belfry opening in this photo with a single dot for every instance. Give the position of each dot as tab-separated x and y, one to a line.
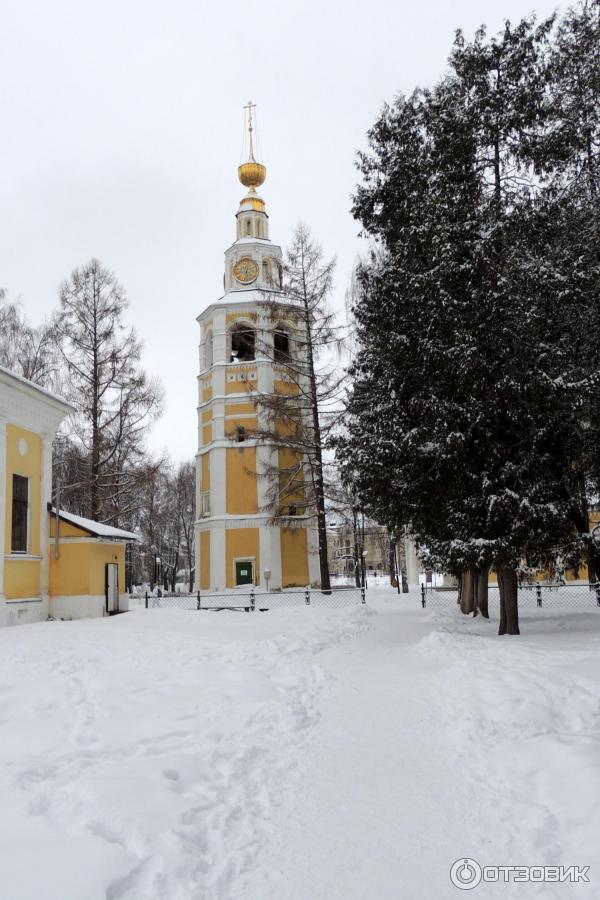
242	343
281	345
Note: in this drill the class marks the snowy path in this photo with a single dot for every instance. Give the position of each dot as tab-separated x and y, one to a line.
296	755
410	767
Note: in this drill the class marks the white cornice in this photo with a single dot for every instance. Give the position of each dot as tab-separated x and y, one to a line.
27	406
254	299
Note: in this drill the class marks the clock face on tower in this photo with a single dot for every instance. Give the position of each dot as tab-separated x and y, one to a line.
245	270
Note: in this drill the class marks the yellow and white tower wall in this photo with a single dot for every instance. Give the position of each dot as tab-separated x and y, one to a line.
245	339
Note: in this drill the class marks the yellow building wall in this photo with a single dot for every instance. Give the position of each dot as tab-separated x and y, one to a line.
240	409
81	568
66	529
294	557
22	576
70	573
205	472
250	423
206	434
244	382
242	493
287	388
204	557
241	543
290	485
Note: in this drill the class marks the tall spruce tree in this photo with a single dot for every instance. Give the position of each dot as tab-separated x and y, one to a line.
466	389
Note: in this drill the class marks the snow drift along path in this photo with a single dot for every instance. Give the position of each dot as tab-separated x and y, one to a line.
302	754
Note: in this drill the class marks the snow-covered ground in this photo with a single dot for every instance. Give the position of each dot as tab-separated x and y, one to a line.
297	754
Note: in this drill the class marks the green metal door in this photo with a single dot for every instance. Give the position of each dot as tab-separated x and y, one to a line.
243	573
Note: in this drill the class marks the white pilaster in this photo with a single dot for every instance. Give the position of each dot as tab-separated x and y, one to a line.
45	498
412	563
266	557
314	565
275	541
218	573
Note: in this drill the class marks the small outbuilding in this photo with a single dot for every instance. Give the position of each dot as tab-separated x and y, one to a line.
87	567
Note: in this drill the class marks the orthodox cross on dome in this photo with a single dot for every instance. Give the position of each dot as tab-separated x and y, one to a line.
251	173
250	106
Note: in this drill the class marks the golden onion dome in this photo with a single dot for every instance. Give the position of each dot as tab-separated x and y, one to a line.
252	174
254	202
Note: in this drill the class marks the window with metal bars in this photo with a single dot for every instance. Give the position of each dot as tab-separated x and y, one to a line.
20	514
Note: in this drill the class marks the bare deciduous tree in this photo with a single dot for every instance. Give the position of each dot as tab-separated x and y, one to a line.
27	350
303	407
115	399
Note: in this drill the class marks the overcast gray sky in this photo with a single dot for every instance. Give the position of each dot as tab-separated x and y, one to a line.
121	136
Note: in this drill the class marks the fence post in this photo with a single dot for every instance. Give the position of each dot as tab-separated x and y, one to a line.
538	590
307	596
598	594
252	602
199	601
423	599
146	599
362	594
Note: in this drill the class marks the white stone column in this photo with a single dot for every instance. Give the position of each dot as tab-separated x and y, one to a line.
3	620
218	560
218	510
45	498
219	323
412	563
266	561
276	573
314	564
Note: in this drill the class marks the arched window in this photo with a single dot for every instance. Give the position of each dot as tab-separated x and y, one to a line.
281	346
266	271
248	226
242	343
208	349
280	274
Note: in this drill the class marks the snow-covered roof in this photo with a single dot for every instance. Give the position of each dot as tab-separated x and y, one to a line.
245	297
96	528
34	387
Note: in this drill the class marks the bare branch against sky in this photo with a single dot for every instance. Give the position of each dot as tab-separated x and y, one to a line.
122	127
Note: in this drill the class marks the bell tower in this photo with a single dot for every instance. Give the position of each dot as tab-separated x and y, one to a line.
246	337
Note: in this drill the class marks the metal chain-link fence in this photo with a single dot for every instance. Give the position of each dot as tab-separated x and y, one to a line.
564	597
251	600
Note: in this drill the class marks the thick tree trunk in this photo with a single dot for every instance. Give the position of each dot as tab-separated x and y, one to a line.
481	592
319	481
467	594
404	576
392	563
509	601
356	548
